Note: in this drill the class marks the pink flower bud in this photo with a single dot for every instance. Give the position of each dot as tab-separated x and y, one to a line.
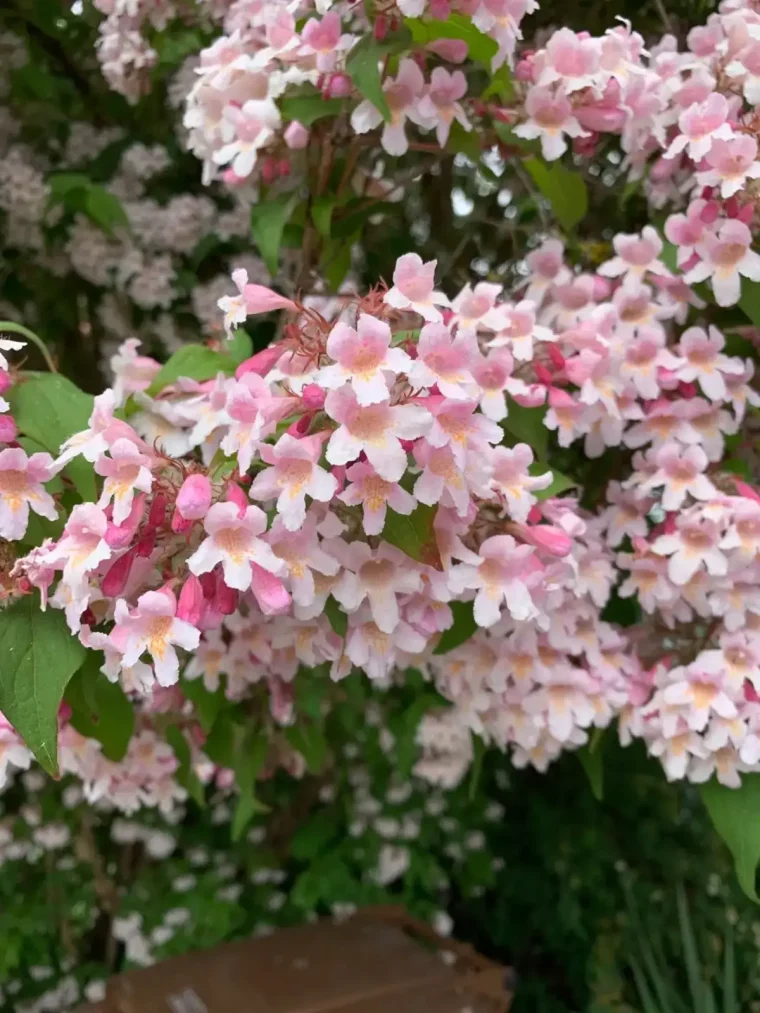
440	10
259	299
117	575
549	538
194	498
231	178
269	171
313	397
283	167
64	711
8	430
191	601
602	289
179	525
118	536
746	490
225	598
157	512
5	380
234	494
339	86
259	363
146	544
710	212
296	136
380	28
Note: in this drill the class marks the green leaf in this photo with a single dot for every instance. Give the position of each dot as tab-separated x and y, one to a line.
240	347
526	425
750	300
414	534
104	209
307	109
690	952
564	189
462	629
313	836
249	761
480	47
191	362
465	142
336	615
207	705
50	408
501	86
268	220
63	184
321	213
186	776
99	708
224	740
560	483
309	740
591	760
363	67
735	813
38	656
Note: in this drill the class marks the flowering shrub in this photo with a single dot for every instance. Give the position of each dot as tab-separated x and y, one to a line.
532	485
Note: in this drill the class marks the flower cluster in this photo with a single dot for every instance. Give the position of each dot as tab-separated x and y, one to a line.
261	75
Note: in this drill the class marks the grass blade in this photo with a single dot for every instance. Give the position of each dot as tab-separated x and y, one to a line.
729	974
647	1000
691	955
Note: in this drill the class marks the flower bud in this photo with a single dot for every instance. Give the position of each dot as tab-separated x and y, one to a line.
5	380
190	605
8	430
313	397
296	136
259	299
235	494
339	86
117	575
194	498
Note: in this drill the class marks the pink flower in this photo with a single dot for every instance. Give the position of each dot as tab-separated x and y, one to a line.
493	375
700	125
503	575
693	545
252	126
636	255
512	479
82	547
550	117
153	627
21	487
377	576
325	40
301	554
362	358
455	424
126	471
680	472
375	430
132	372
547	267
375	496
476	308
233	540
518	330
731	163
685	231
443	361
570	59
443	479
705	362
103	430
644	357
726	255
746	66
295	473
441	104
252	410
403	95
413	288
251	299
